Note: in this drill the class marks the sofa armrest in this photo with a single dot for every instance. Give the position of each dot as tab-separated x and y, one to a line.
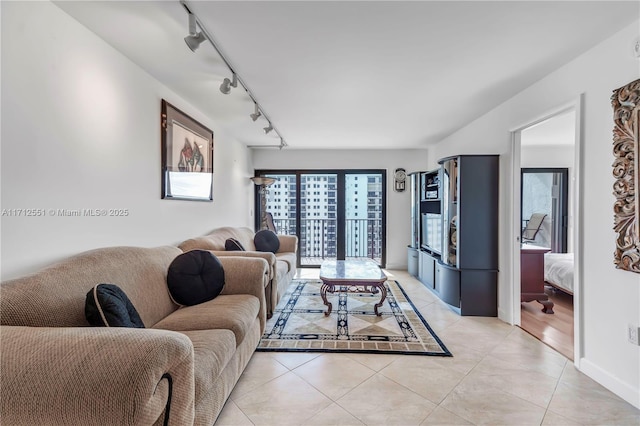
95	375
247	275
268	256
288	244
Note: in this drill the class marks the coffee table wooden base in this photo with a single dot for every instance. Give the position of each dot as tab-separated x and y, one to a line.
353	287
352	274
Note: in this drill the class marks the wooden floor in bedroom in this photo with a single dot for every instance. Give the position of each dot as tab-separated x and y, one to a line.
555	330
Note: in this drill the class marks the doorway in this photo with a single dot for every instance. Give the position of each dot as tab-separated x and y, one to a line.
545	164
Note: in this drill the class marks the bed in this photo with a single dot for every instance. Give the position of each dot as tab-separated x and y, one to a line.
558	271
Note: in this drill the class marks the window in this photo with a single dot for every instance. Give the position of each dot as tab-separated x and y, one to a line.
328	214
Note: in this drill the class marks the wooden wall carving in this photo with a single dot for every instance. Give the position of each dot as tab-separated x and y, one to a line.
626	150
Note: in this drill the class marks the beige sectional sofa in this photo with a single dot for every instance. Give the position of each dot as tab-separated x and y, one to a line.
178	371
282	264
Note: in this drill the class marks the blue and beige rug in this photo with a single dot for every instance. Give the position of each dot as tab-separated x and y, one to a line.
299	324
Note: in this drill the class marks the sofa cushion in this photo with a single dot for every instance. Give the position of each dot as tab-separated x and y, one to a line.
235	312
212	351
231	244
216	239
106	305
266	240
282	268
289	258
194	277
55	296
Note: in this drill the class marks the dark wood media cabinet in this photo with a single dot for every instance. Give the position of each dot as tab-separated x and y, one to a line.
463	271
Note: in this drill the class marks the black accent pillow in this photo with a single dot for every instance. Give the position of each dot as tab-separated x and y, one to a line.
107	305
266	240
231	244
195	277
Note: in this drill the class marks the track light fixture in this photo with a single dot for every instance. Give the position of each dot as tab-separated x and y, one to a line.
267	129
256	114
194	41
195	38
227	84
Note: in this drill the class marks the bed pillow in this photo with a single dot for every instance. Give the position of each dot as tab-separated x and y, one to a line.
106	305
266	240
231	244
194	277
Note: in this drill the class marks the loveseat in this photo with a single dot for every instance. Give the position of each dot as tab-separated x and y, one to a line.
282	264
179	370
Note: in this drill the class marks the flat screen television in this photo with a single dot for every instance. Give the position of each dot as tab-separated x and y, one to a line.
432	232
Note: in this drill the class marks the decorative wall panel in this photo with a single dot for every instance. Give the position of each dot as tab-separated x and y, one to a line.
626	150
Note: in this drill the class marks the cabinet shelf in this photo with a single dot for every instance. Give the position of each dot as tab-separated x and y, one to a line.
430	186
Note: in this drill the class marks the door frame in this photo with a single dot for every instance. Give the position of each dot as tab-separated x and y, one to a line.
576	214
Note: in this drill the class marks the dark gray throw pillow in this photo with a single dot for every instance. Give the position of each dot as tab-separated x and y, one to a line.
194	277
107	305
231	244
266	240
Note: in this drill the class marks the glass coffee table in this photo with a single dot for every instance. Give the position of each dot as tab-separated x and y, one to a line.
354	274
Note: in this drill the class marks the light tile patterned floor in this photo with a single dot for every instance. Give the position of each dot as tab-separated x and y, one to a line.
499	375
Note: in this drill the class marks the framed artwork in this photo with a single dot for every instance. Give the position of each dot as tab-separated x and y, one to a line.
187	156
626	150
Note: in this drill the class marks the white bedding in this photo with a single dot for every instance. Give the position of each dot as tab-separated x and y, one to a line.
558	270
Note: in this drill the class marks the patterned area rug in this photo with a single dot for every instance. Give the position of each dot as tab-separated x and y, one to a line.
299	324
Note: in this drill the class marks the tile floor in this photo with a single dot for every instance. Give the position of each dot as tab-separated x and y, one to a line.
499	375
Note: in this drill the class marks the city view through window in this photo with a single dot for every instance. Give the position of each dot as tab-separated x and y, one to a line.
341	214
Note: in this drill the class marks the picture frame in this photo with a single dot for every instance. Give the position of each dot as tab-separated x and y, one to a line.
626	150
187	156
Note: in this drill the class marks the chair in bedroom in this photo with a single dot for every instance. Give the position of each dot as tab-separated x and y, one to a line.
532	227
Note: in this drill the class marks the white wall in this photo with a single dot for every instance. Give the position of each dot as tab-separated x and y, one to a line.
610	297
547	156
398	203
81	129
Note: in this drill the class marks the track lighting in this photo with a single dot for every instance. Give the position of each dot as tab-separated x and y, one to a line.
227	84
195	38
256	114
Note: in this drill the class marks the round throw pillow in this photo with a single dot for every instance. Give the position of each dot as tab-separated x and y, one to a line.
195	277
231	244
106	305
266	240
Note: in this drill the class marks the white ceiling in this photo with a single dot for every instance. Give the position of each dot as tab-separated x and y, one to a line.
353	74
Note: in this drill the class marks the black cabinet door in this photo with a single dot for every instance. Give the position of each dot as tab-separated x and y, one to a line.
448	284
478	212
428	270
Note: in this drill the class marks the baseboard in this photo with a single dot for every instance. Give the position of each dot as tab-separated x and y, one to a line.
396	266
505	316
620	388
